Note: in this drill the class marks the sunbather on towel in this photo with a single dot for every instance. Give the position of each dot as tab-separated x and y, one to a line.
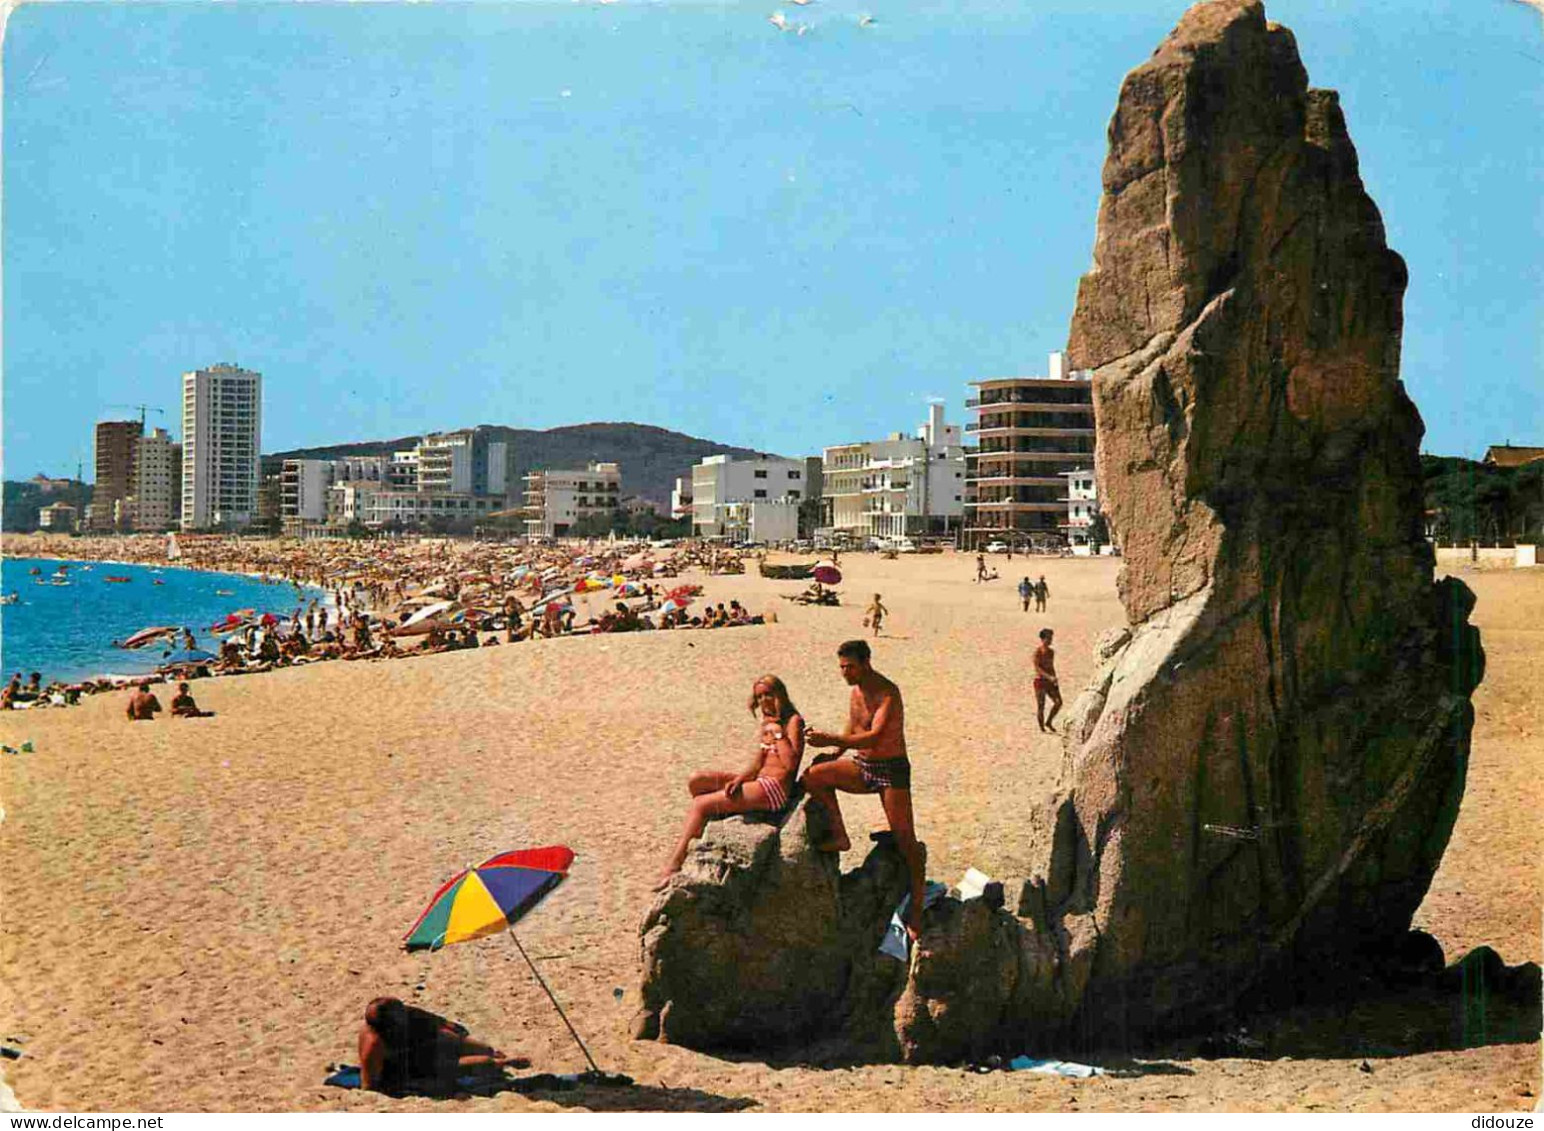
764	785
402	1047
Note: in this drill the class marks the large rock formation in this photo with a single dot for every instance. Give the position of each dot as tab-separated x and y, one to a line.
1268	765
1265	771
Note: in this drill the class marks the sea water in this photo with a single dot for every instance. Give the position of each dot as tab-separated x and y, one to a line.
66	632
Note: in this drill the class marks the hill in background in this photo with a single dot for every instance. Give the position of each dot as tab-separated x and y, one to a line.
650	457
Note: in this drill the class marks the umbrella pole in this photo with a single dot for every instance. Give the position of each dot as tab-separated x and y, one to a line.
543	983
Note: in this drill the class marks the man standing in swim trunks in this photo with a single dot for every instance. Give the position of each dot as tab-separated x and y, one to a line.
1046	686
876	734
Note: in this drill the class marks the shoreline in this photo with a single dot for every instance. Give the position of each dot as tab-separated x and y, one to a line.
120	679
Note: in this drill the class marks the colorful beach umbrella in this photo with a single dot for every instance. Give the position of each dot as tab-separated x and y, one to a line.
828	575
491	898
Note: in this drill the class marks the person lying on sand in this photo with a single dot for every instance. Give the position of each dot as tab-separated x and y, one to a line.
143	705
183	706
402	1047
763	785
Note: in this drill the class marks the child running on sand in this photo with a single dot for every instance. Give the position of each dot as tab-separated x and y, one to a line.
763	785
875	614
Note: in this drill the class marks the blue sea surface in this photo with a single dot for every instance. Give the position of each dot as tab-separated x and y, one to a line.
66	631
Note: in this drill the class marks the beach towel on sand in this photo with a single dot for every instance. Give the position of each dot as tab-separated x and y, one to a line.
347	1076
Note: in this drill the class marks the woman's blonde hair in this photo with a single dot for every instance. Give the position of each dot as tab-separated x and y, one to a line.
778	688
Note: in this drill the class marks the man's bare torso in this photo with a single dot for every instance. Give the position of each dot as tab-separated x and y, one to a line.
892	740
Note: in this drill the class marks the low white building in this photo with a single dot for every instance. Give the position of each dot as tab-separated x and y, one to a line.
417	508
901	485
761	520
1082	508
58	517
719	481
681	498
555	500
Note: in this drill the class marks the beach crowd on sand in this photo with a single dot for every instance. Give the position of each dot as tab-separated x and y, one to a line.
393	599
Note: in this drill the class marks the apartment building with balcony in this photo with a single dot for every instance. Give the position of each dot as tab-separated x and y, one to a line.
718	481
1028	432
116	443
1082	509
465	462
222	419
555	500
155	482
899	486
304	486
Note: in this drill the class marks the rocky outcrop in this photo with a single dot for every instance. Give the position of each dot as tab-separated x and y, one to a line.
760	942
1267	767
1263	775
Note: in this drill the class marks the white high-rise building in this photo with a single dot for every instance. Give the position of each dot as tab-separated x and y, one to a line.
222	416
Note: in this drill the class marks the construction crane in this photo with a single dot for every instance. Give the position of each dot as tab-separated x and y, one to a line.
143	408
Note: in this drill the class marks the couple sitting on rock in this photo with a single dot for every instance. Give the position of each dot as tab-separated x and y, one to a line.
875	732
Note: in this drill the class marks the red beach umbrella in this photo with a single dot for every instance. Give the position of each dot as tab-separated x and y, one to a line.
828	575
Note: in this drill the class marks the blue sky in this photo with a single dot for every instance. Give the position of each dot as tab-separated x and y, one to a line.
418	216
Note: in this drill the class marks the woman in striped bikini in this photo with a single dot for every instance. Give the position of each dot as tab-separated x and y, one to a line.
763	786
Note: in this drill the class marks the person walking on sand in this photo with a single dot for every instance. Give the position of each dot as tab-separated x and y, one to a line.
1026	591
875	614
876	734
1042	591
980	567
143	705
763	785
1046	684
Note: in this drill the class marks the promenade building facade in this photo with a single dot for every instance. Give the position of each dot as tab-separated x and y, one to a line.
719	482
556	499
900	486
222	420
1028	432
305	486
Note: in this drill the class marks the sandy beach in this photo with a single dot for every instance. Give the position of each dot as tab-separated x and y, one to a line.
196	911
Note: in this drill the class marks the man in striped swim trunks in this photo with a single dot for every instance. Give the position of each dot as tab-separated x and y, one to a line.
876	735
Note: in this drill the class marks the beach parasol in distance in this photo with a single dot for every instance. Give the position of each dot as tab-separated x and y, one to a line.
147	635
828	575
490	899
